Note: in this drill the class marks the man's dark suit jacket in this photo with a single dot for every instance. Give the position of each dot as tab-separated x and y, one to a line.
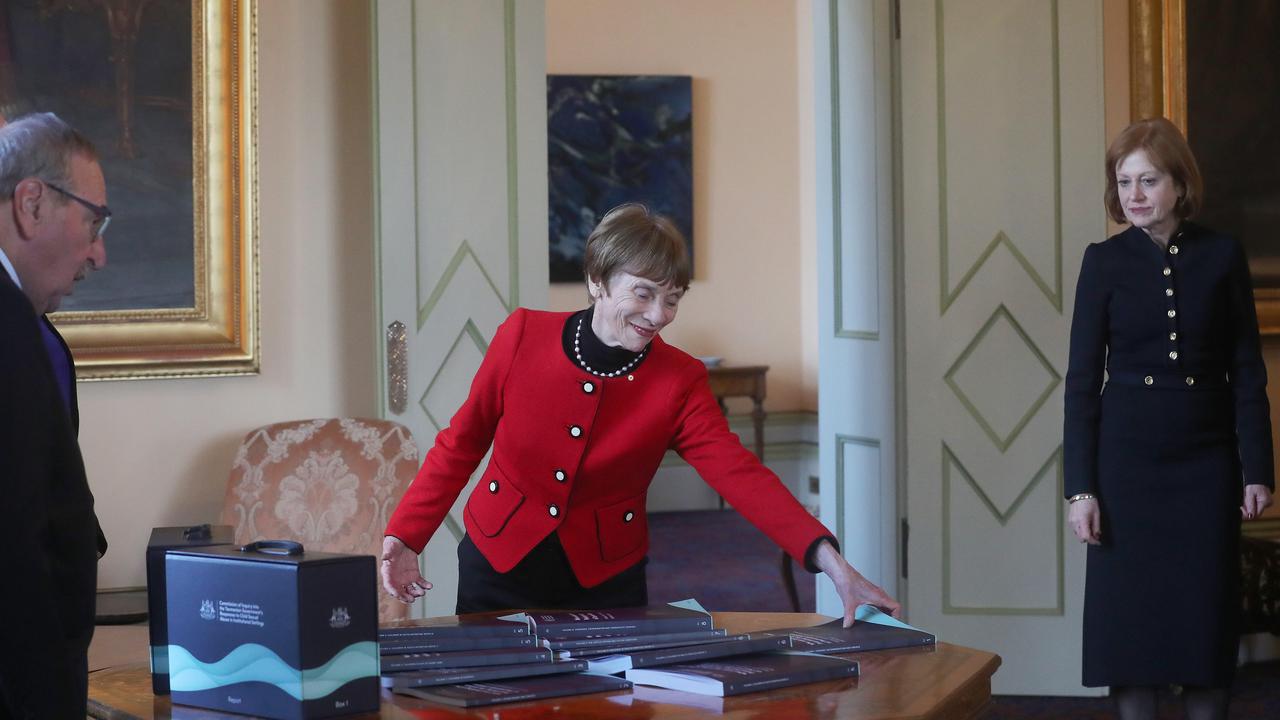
49	535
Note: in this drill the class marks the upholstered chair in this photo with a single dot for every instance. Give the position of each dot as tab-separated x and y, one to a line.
330	484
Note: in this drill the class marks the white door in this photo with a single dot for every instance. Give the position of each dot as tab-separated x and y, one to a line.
1002	139
462	208
856	333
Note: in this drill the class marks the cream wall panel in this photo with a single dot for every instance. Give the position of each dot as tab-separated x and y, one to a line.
462	205
856	337
860	487
1002	139
857	179
980	575
460	114
999	138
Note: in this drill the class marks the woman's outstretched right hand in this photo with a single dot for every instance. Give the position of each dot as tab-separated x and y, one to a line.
400	576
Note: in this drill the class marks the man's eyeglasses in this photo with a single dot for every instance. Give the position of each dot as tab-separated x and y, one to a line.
102	214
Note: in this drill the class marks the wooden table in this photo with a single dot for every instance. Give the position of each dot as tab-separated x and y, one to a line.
947	682
745	381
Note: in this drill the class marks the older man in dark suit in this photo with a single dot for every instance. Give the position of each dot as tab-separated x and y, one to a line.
52	217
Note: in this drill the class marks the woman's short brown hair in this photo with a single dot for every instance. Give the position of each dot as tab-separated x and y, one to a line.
1168	151
632	239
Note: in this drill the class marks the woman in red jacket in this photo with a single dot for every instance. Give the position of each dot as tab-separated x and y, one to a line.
580	409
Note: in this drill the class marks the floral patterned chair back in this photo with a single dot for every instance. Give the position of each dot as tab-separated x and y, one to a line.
330	484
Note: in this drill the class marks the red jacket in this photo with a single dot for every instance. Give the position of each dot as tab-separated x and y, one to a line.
574	453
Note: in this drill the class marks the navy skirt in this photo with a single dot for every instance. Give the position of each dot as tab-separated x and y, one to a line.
1162	595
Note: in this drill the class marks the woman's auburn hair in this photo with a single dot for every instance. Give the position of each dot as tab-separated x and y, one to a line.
631	238
1168	151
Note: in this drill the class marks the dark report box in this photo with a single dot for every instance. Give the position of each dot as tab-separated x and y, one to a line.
162	539
273	631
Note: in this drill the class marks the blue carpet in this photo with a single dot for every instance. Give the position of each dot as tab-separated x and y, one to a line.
720	559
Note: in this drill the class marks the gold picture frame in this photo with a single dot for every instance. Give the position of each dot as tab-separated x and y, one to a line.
1158	60
219	334
1158	86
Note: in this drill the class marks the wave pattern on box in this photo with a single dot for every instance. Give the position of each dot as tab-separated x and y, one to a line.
252	662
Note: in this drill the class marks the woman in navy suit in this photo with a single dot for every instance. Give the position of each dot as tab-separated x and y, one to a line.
580	409
1163	460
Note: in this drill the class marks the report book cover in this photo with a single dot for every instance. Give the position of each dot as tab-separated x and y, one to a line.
637	646
560	642
871	630
469	658
401	646
746	674
455	676
682	616
742	645
450	627
506	691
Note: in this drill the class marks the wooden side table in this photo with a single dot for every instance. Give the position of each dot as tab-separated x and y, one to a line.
745	381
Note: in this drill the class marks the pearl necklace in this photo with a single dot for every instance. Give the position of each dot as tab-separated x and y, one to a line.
577	353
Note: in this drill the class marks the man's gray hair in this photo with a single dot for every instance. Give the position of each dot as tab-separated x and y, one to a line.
39	145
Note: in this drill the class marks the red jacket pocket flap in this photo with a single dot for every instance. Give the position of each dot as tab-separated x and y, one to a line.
622	528
493	502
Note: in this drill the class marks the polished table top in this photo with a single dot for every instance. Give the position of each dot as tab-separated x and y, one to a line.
946	681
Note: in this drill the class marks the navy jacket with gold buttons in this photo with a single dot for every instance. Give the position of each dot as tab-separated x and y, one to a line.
1175	319
574	454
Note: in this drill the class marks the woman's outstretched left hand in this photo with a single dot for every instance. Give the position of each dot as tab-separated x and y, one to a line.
851	586
1256	499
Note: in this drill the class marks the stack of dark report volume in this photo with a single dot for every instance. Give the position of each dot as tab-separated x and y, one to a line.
542	654
472	661
809	657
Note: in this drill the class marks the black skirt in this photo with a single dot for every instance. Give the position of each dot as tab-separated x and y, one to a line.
1162	592
542	580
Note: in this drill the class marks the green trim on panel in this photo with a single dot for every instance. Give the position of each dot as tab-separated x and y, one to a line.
375	100
464	249
944	248
1001	239
837	229
513	184
901	459
513	227
833	46
949	459
948	294
468	328
413	155
841	442
1057	159
1005	442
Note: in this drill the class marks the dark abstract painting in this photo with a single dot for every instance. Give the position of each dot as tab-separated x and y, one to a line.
120	72
613	139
